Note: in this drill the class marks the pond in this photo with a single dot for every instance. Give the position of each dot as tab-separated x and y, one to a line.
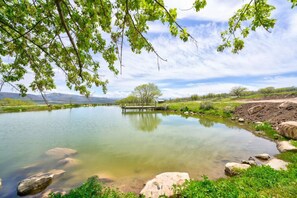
125	149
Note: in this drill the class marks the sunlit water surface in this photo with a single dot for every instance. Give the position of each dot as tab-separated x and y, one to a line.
127	149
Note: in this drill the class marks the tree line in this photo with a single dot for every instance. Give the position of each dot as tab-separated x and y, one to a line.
237	92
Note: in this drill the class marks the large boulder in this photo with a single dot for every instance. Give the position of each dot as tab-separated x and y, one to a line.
277	164
0	182
34	184
255	109
233	168
37	183
60	153
163	183
289	129
284	146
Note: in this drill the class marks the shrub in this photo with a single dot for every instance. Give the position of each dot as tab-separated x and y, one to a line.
206	106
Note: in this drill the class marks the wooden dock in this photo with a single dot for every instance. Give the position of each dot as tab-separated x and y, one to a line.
143	108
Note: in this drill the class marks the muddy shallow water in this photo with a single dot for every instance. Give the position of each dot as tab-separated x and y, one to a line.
124	149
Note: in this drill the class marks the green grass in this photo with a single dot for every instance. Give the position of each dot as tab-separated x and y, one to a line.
222	108
94	189
14	102
24	108
269	131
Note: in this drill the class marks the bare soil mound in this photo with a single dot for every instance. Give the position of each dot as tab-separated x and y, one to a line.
274	113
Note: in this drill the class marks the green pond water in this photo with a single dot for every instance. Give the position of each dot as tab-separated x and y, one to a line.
125	149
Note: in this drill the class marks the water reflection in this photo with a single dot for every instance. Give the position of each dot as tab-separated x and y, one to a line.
147	122
206	122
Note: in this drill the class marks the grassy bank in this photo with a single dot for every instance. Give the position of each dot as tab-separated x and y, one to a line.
24	108
221	108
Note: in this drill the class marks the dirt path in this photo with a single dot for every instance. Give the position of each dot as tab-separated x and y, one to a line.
292	100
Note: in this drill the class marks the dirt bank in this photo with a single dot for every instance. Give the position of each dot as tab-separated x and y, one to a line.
272	111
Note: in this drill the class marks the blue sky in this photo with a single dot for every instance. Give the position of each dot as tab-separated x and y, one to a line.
268	59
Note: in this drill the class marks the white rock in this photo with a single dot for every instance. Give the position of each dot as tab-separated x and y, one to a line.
59	153
233	168
277	164
240	120
163	183
0	182
263	156
284	146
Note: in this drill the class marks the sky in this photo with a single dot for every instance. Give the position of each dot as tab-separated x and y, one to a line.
268	59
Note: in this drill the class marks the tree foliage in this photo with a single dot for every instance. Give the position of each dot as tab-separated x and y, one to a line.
40	34
128	100
238	91
42	37
146	93
267	90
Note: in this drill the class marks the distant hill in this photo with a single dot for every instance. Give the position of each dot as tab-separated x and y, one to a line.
58	98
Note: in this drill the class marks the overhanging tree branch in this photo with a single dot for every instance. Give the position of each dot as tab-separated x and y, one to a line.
58	4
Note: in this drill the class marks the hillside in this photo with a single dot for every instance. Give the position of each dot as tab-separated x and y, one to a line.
58	98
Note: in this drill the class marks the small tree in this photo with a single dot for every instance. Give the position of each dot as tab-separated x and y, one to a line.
128	100
238	91
147	93
267	90
194	97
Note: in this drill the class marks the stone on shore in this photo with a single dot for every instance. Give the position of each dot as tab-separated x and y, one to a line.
60	153
233	168
163	183
37	183
288	129
277	164
249	162
263	156
284	146
240	120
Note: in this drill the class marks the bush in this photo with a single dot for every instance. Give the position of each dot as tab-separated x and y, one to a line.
228	110
206	106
